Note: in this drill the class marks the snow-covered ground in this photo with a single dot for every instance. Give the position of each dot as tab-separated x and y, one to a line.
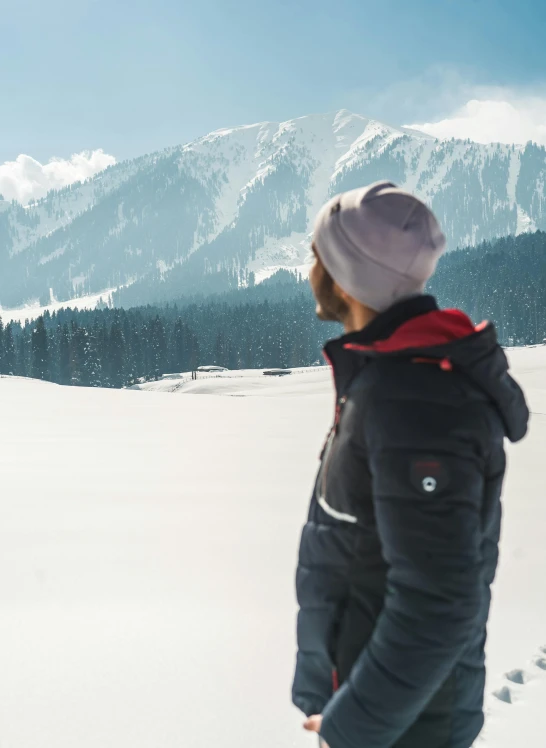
148	547
315	380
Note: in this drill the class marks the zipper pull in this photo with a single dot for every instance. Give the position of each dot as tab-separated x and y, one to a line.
339	408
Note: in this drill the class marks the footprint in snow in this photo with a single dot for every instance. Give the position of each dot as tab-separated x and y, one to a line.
524	690
509	694
503	694
517	676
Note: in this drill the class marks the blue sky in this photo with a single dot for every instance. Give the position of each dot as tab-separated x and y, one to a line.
131	77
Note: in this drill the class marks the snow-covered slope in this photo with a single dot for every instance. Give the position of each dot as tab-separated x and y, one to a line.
148	551
33	311
207	214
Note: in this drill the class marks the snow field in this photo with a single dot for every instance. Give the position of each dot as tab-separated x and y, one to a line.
148	551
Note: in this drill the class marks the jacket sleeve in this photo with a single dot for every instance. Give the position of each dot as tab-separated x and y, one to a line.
428	483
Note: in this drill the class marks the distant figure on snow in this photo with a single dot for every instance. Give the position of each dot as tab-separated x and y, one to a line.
401	544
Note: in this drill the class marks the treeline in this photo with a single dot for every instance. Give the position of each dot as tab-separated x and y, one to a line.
270	325
503	281
117	347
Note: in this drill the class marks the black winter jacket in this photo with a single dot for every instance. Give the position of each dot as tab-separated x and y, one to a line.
401	544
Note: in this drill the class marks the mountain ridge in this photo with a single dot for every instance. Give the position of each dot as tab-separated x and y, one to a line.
238	203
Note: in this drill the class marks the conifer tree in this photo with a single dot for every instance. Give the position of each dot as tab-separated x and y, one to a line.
40	351
179	355
64	355
103	346
9	359
22	360
116	355
92	367
2	364
159	348
220	358
76	356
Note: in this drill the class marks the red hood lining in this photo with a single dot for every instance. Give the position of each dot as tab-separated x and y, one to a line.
434	328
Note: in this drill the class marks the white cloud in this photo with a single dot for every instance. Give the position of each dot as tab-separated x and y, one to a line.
495	116
25	178
454	103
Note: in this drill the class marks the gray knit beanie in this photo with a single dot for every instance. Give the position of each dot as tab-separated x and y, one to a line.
378	243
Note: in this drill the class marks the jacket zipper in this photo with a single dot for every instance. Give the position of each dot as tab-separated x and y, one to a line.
327	455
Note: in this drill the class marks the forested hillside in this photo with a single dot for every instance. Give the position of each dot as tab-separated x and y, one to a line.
269	325
503	281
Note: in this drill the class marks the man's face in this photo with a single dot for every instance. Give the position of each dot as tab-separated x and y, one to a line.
331	306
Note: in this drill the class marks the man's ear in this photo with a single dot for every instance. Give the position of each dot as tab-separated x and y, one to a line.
347	298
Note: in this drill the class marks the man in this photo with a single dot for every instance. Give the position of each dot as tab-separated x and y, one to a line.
401	544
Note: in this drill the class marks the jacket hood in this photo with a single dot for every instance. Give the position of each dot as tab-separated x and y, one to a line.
449	339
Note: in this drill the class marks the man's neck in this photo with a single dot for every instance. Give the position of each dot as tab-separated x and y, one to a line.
358	318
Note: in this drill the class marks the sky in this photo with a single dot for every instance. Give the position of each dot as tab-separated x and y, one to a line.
106	81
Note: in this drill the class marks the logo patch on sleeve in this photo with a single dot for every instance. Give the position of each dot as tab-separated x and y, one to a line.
429	475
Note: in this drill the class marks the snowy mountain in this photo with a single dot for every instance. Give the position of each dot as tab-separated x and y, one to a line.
239	203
